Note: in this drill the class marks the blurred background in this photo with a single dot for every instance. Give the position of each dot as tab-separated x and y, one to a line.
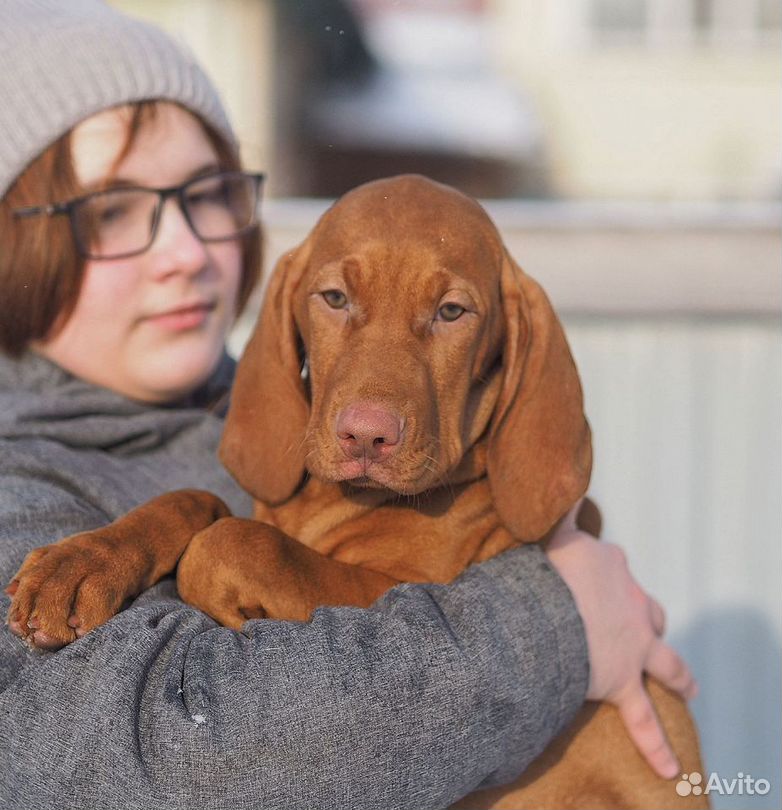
629	151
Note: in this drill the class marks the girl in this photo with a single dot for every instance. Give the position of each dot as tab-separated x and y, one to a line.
128	244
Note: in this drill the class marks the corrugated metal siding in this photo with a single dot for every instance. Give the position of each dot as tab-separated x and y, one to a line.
687	421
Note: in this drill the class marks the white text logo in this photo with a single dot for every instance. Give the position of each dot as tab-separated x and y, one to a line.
691	784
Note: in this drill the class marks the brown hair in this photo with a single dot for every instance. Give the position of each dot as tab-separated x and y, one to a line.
41	271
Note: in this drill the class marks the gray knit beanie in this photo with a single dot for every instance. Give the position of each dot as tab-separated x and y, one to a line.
61	61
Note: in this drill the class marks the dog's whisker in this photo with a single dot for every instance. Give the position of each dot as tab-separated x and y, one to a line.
440	475
295	448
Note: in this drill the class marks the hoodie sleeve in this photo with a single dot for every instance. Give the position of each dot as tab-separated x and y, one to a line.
411	703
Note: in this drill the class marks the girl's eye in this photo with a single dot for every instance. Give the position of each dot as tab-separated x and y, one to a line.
109	215
451	312
215	196
336	299
212	191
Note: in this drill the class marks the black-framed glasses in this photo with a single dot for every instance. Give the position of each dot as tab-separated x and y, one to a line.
122	222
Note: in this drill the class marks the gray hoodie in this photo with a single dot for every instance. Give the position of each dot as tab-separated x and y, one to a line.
411	703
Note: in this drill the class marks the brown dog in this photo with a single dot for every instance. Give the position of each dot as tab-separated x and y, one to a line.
439	414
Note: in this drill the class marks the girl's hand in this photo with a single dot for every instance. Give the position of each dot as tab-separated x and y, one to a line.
624	628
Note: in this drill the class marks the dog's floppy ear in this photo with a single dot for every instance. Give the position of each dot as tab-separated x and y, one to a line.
540	451
263	440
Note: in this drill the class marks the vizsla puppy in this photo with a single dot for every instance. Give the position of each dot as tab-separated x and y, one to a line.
407	406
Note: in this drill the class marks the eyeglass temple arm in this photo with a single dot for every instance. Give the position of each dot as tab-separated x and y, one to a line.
36	210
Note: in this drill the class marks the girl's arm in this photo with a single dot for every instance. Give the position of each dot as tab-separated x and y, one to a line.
413	702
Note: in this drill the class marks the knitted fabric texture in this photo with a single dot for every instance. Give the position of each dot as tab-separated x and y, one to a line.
61	62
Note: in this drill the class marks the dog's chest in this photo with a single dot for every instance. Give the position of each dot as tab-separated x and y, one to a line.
431	538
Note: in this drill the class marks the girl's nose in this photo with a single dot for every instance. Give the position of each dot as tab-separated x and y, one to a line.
175	247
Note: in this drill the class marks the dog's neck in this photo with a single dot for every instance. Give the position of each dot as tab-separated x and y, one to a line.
319	507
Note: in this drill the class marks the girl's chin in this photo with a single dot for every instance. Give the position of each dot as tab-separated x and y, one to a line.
176	371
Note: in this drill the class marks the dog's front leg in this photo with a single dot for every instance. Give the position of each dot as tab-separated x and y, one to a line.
65	589
243	569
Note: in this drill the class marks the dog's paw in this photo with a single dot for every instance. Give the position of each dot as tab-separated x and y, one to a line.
64	590
228	571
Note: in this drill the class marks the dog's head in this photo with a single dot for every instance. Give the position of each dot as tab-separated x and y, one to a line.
395	338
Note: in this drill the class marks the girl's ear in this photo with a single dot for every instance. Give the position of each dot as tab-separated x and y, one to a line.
540	451
263	440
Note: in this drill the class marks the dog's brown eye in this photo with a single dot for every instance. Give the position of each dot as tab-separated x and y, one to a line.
450	312
336	299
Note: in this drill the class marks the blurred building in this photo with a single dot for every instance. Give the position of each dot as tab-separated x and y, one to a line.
378	87
576	99
652	99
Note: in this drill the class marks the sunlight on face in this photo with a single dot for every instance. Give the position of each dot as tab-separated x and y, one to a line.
152	326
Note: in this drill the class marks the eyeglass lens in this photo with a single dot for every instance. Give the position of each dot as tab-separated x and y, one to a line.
120	222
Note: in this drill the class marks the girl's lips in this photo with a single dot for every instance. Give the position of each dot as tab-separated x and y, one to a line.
179	320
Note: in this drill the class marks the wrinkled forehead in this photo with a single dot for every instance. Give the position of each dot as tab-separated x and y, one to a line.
412	224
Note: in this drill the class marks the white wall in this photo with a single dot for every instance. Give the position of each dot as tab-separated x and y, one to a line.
687	420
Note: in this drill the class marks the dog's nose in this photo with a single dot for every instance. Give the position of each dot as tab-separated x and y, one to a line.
366	431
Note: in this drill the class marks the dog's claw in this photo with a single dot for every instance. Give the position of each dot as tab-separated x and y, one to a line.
42	641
